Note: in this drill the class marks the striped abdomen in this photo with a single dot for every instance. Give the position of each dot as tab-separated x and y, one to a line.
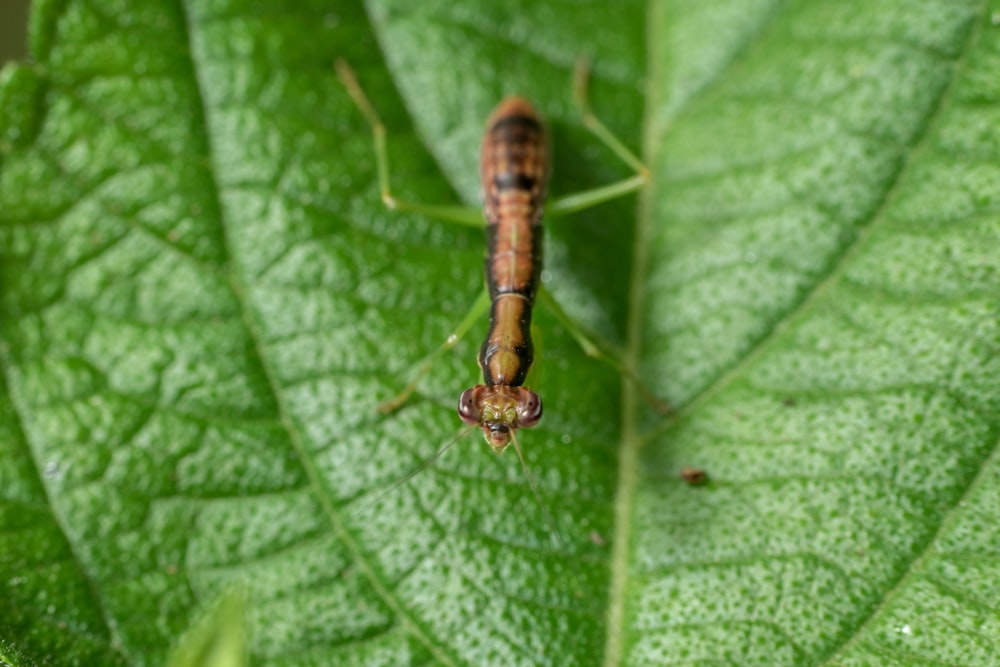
514	170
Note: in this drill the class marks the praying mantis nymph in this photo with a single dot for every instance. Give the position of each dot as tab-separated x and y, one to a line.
514	171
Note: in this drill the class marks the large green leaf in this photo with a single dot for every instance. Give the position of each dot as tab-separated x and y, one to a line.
203	302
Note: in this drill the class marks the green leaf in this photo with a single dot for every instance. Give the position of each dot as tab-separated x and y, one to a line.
203	302
218	640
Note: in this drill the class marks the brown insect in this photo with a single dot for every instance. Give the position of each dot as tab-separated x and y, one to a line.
514	172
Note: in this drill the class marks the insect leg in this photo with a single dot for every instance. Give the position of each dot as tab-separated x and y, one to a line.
459	214
599	195
475	315
601	351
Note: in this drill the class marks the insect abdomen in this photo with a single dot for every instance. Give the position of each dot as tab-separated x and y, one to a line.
514	170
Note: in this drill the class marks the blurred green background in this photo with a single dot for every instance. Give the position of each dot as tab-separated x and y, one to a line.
13	33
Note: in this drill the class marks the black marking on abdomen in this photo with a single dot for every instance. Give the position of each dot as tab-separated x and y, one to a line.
514	180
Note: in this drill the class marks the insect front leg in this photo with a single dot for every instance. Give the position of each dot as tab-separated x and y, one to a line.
423	367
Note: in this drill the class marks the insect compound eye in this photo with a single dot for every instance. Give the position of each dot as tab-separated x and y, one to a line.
467	409
529	409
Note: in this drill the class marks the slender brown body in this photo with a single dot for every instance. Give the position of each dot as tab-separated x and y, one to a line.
514	171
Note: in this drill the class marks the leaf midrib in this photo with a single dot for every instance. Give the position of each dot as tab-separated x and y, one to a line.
632	440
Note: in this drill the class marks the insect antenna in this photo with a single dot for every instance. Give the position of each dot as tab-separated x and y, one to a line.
424	465
534	490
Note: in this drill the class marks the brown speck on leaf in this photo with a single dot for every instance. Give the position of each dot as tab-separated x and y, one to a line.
693	476
597	538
